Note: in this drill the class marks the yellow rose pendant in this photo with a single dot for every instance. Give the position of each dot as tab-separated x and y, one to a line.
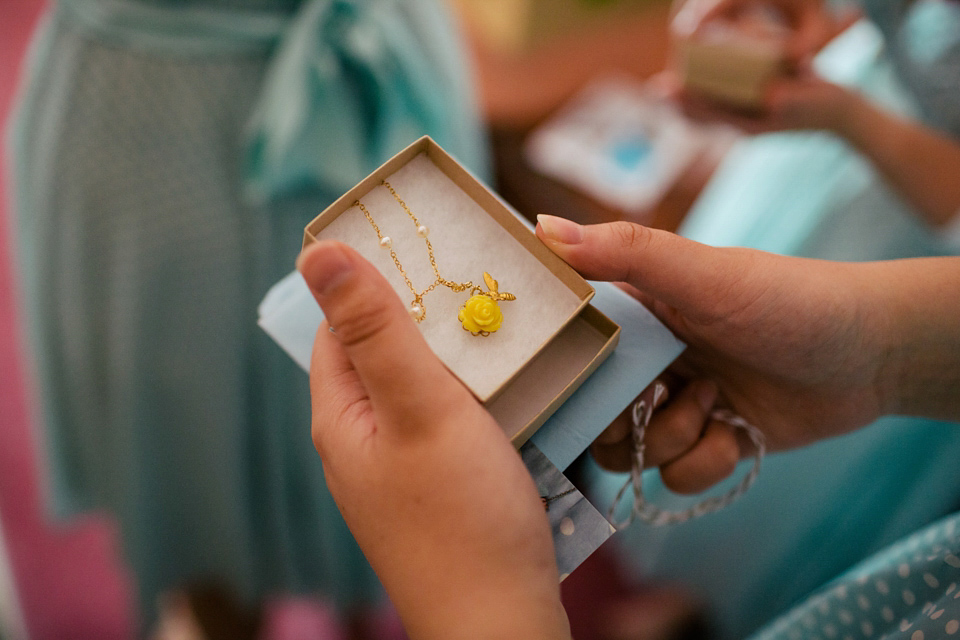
481	315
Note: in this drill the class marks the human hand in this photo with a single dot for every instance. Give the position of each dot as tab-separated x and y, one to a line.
810	24
428	483
792	345
796	98
798	101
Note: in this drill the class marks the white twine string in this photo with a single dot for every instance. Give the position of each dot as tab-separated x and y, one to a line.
641	414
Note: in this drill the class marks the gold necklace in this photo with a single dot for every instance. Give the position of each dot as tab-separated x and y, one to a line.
480	314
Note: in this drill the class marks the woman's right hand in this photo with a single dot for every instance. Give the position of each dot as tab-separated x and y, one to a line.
797	347
797	98
800	101
811	23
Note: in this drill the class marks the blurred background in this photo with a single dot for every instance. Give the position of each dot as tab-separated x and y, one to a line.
67	579
572	121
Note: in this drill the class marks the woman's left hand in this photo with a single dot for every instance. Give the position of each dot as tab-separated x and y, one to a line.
802	101
428	483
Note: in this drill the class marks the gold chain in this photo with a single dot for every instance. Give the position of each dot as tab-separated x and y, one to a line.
417	309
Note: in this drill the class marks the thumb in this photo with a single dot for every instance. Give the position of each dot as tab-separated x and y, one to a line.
663	265
390	356
816	30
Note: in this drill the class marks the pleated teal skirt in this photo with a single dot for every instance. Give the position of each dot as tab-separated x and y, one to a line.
167	157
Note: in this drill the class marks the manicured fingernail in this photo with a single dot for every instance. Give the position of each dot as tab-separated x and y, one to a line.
560	229
324	265
706	395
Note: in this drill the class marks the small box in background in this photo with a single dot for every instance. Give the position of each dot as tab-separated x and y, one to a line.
728	59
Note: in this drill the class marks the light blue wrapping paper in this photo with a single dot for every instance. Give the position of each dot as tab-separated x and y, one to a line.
646	348
290	315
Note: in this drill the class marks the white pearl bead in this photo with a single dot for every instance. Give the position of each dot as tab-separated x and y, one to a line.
415	311
386	242
423	231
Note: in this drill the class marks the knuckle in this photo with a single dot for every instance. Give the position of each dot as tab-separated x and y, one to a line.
632	240
353	412
360	320
617	459
342	411
683	427
617	431
740	292
630	235
681	479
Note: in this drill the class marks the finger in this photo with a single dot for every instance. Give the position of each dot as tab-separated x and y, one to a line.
617	430
713	458
391	358
337	397
662	264
622	426
616	457
814	33
706	109
808	36
613	449
815	30
677	427
643	298
693	16
664	313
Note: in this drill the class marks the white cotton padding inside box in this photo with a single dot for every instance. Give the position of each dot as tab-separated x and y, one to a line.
466	243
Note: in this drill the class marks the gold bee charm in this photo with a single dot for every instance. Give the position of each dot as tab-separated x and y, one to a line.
492	286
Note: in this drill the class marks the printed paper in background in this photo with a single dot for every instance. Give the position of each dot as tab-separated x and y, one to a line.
578	528
620	144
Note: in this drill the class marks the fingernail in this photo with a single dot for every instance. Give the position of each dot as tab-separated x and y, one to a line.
706	395
560	229
324	265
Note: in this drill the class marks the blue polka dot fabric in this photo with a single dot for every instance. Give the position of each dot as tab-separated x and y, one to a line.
910	591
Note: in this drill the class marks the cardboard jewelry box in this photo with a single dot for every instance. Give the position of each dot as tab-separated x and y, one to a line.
551	339
730	61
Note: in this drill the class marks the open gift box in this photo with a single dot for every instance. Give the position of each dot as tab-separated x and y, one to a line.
729	60
442	223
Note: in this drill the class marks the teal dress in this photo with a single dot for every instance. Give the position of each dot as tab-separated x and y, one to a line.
815	512
909	591
167	155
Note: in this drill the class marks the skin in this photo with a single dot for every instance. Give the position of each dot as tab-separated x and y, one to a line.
429	485
919	162
440	502
804	349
